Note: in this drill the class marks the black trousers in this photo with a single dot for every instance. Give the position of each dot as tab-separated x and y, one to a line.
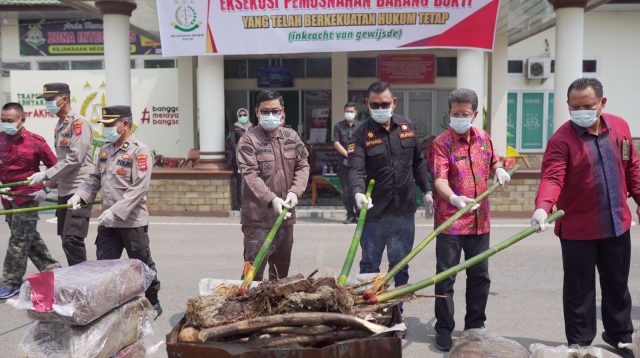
111	241
580	258
448	251
73	227
347	192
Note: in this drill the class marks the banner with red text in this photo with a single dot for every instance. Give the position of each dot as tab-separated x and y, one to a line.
243	27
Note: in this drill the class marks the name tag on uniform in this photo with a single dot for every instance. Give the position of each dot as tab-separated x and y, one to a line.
625	149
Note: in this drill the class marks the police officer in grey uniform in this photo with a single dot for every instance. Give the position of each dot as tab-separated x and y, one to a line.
123	172
72	141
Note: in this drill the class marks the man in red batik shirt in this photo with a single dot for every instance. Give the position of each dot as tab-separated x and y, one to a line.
589	168
20	155
462	160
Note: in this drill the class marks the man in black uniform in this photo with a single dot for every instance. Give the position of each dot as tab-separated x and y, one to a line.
385	148
342	136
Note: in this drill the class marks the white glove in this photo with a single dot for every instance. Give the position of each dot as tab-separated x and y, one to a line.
106	218
361	199
39	196
292	199
540	217
462	201
502	177
6	197
428	205
278	204
75	202
37	178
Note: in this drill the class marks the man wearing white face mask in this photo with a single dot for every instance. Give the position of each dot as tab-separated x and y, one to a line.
123	174
589	169
21	153
342	137
72	141
386	148
462	160
273	163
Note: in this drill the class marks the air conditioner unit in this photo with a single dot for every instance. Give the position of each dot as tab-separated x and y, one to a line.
538	68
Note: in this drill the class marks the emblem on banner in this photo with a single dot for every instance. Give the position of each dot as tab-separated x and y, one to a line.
186	17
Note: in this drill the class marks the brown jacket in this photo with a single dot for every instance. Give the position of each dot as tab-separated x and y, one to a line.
272	165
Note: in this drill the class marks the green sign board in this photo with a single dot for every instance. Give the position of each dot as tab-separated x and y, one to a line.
512	118
532	120
550	117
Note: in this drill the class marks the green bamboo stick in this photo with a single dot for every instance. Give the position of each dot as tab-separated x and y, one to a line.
405	261
355	242
411	289
257	262
15	184
18	195
41	208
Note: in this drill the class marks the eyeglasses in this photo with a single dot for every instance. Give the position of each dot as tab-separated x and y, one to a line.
383	105
267	112
462	115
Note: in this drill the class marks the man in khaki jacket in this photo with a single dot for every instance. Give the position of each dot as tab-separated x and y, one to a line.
123	172
274	166
72	141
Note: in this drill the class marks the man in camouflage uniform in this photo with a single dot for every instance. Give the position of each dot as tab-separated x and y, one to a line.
124	173
273	163
21	153
73	139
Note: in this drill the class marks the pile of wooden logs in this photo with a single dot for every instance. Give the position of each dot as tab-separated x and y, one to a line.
297	311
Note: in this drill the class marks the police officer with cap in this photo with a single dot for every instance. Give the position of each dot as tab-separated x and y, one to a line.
72	142
123	172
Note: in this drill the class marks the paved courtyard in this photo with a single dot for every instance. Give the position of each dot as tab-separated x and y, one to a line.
525	302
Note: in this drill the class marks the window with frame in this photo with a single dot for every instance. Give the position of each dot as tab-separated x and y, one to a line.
86	65
159	63
446	66
515	67
235	68
363	67
318	67
7	67
53	65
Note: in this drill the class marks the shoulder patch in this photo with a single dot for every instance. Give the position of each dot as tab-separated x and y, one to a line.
77	128
246	149
142	162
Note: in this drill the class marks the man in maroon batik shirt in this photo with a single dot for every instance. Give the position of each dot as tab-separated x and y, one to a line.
589	169
20	155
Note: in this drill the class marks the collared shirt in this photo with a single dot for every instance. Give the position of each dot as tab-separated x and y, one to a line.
466	165
20	156
124	175
272	165
343	133
72	141
394	159
589	178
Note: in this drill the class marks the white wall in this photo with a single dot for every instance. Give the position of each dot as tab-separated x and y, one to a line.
611	38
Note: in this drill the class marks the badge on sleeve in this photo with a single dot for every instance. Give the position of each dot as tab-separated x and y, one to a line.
625	149
142	162
77	128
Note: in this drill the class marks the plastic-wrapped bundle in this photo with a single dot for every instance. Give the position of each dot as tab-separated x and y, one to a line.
478	343
541	351
100	339
134	350
88	290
